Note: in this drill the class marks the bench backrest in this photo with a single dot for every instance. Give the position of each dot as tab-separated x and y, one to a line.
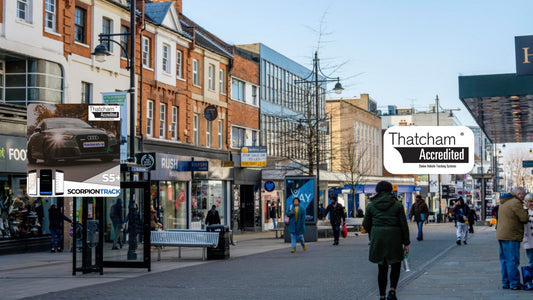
184	238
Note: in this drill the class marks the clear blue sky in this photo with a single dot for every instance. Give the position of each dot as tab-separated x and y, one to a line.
405	52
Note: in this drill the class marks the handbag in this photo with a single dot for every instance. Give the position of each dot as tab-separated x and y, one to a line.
527	278
363	230
344	231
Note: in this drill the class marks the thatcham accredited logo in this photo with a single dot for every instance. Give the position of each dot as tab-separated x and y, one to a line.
428	149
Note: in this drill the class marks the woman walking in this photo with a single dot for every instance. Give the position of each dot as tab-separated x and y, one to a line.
296	216
386	223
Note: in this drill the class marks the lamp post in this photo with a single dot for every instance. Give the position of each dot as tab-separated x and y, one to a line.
313	78
100	54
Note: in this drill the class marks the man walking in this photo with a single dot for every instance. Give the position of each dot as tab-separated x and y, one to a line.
117	218
213	217
510	231
420	212
273	213
336	213
461	212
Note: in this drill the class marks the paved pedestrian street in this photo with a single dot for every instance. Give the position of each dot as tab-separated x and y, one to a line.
261	267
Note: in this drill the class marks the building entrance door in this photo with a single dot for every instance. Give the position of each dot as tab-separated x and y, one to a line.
247	208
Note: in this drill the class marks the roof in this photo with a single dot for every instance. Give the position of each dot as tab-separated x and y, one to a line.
157	11
501	104
205	38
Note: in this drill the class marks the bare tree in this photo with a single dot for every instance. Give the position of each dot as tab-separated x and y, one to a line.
513	166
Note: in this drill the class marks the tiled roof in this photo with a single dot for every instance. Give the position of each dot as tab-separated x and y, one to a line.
156	11
205	38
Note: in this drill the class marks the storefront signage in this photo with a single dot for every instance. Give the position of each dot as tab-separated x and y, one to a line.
428	149
270	186
147	160
418	188
303	188
68	155
120	99
254	156
171	167
13	153
524	55
210	113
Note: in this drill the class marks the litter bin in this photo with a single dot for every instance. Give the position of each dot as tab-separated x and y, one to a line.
222	249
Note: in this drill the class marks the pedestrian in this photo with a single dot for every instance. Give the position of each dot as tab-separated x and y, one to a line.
528	229
135	227
510	232
321	212
296	224
154	221
386	222
360	213
56	218
336	215
117	218
420	212
461	212
274	214
213	217
472	218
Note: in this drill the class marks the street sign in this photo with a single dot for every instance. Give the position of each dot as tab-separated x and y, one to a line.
527	164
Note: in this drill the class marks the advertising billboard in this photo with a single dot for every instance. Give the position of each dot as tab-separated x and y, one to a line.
73	150
303	188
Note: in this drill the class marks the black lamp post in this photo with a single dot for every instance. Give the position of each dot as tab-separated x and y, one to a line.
100	54
313	78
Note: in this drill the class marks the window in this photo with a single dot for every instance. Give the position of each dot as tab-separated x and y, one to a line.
220	133
86	92
50	14
211	77
24	10
107	28
237	90
179	64
254	95
254	138
79	24
237	137
195	77
196	125
222	82
165	64
174	125
146	52
124	41
150	118
208	130
162	120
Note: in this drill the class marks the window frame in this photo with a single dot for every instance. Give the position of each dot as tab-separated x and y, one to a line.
124	41
240	88
208	133
174	123
145	51
165	58
222	81
52	13
240	135
195	72
162	120
80	28
27	11
179	64
220	133
211	77
150	118
107	25
196	129
86	92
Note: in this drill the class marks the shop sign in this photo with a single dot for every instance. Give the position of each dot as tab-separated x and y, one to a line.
270	186
147	160
171	167
210	113
428	149
71	156
418	188
254	156
13	153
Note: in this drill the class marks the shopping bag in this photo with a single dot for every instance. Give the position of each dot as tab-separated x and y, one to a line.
344	231
527	277
493	221
363	230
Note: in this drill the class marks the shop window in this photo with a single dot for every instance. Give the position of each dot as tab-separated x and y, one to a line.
205	194
173	204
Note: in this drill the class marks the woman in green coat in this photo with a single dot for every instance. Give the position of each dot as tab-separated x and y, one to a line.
386	224
296	224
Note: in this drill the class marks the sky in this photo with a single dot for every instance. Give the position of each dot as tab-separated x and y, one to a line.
401	53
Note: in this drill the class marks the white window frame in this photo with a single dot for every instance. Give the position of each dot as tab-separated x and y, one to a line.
174	123
50	14
196	129
220	133
208	132
179	64
162	120
108	44
211	77
150	118
145	48
195	71
255	94
222	81
243	140
241	88
26	9
82	26
124	41
86	92
165	58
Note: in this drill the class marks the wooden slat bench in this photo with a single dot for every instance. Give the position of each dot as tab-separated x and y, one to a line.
183	238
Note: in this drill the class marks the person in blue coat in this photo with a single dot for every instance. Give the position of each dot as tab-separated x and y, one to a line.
296	216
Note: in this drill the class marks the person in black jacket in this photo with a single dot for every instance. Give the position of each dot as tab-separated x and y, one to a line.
56	218
336	214
212	216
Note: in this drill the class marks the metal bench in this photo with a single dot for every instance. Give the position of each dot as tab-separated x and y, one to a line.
183	238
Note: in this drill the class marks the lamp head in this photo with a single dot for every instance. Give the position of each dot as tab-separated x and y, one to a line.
100	53
338	88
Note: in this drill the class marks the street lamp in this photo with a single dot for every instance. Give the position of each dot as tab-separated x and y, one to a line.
100	54
313	78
